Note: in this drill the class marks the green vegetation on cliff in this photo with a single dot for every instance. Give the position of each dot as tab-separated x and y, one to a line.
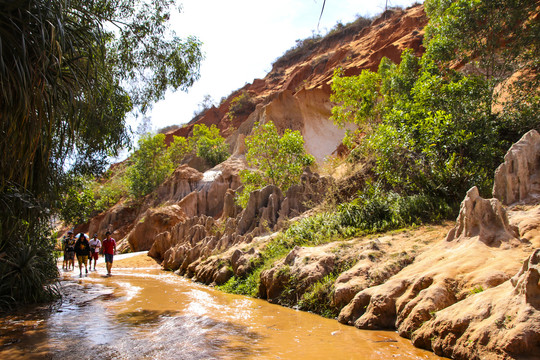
150	164
209	144
277	160
438	131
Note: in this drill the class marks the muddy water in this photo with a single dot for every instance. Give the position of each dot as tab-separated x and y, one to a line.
151	314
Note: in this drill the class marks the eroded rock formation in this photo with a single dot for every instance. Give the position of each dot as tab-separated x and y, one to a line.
517	179
153	222
484	218
499	323
465	296
186	193
188	246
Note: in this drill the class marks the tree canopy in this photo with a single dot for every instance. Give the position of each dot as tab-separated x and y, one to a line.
70	72
277	160
437	125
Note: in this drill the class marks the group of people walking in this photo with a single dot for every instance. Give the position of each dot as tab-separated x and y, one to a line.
87	250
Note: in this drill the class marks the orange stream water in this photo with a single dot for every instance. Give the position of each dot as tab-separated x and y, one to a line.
151	314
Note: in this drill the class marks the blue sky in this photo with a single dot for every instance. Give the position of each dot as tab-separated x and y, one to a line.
242	38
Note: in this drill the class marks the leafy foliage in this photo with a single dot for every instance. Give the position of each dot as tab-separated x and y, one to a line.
151	165
242	104
70	71
436	135
27	265
78	202
500	42
248	286
278	160
497	38
319	297
178	149
209	144
377	209
112	191
436	131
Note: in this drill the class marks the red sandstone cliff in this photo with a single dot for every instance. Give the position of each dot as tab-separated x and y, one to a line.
295	94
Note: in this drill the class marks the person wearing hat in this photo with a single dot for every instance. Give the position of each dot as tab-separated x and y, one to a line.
95	245
70	251
109	249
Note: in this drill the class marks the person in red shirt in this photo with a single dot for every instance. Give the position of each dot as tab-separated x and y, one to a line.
109	249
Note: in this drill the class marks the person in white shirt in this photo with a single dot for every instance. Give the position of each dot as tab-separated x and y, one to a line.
95	246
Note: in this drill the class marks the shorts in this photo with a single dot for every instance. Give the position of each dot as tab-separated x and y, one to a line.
94	256
69	255
109	258
83	259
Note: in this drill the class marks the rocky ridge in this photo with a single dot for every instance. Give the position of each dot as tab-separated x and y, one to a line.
190	245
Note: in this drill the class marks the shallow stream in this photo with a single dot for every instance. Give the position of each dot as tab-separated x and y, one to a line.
152	314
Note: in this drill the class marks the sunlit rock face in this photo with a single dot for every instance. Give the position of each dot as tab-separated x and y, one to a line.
295	94
518	178
192	246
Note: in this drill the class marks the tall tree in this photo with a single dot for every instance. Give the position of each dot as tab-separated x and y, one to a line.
151	165
494	38
276	159
70	71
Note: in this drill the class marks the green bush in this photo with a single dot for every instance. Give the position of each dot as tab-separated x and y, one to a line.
277	160
242	104
28	269
319	297
111	192
77	203
379	210
431	131
248	286
178	149
151	165
209	144
301	49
